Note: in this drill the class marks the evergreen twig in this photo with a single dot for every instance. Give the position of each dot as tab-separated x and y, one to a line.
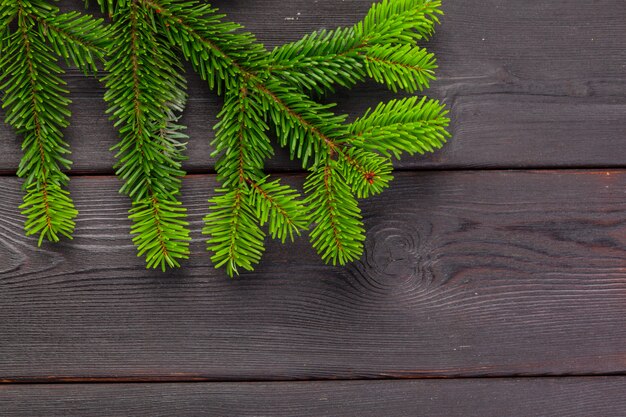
34	34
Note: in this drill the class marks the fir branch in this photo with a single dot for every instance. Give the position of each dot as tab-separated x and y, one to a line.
241	139
235	236
78	38
400	66
36	102
379	43
244	145
306	127
411	125
400	21
366	172
160	231
49	211
338	234
218	50
36	106
146	94
149	152
233	223
280	207
320	60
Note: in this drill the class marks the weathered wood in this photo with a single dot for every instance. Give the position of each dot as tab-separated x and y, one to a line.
465	274
530	84
546	397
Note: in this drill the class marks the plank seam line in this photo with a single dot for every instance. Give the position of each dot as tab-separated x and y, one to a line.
193	380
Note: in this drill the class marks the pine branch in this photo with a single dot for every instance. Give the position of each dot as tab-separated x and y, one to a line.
218	50
379	43
235	236
160	231
145	91
233	224
411	125
400	66
338	234
366	172
280	207
241	139
400	21
239	59
320	60
78	38
36	105
307	128
303	125
36	102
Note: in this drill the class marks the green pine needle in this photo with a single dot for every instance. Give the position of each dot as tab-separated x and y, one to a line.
366	172
241	140
382	46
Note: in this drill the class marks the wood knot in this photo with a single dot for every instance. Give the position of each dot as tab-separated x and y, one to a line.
12	259
394	253
391	260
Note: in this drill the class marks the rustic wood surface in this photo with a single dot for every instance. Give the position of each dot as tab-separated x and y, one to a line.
546	397
471	269
465	274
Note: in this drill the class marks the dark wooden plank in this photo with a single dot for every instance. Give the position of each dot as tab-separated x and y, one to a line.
465	274
530	84
546	397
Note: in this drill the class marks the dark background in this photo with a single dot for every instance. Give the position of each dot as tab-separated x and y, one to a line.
494	277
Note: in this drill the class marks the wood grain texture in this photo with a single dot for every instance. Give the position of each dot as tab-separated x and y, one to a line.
530	84
528	397
465	274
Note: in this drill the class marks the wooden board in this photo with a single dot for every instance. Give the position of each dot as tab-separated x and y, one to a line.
545	397
530	84
465	274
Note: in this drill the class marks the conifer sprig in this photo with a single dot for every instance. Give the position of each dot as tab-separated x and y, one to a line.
249	200
36	102
338	234
381	46
410	125
145	92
